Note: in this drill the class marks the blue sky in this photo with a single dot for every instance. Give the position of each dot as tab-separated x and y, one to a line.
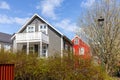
62	14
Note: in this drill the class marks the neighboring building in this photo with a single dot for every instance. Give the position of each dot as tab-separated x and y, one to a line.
5	41
80	48
38	36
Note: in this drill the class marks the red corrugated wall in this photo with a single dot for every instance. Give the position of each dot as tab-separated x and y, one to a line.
6	71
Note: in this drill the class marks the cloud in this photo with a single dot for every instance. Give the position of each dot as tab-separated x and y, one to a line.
4	5
48	7
4	19
87	3
66	25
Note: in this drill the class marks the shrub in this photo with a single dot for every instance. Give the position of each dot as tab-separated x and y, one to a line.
30	67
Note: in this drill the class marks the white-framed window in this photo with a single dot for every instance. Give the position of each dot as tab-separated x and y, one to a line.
7	47
43	28
81	51
30	28
44	50
66	47
76	41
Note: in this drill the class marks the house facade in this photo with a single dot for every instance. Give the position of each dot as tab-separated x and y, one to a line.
80	48
40	37
5	41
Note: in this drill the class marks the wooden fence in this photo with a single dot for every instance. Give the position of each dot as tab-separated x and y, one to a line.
6	71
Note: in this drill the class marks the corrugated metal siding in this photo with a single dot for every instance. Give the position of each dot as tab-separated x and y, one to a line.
6	71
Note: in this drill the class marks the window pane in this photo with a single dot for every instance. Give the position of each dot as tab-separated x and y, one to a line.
66	47
41	27
81	51
44	51
44	26
76	41
30	29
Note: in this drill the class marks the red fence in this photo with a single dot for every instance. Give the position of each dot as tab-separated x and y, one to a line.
6	71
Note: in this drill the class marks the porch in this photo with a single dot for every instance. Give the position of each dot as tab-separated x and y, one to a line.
38	48
34	42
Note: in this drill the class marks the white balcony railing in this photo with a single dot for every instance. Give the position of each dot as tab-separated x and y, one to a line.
32	37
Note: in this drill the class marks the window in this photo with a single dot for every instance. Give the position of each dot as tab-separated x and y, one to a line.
43	28
76	41
31	28
7	47
44	50
66	47
81	51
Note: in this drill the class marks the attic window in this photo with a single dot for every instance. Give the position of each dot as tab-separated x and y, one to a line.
43	28
76	41
31	28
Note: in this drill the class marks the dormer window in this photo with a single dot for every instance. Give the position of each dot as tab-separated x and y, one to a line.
43	28
76	41
31	28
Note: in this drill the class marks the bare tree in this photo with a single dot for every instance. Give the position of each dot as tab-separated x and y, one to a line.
101	24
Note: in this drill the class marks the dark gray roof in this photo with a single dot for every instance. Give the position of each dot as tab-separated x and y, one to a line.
5	37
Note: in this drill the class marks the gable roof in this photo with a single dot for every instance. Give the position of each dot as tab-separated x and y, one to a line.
76	36
36	15
6	38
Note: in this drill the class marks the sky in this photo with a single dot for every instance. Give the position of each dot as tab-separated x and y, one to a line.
62	14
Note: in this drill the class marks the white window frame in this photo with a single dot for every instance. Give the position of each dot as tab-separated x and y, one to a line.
81	51
66	47
31	30
76	41
44	49
43	29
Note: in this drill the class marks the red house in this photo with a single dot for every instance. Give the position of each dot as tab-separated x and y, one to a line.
80	48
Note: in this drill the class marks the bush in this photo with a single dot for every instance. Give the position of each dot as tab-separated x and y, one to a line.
30	67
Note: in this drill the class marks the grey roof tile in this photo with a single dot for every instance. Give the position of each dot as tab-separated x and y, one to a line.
5	37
